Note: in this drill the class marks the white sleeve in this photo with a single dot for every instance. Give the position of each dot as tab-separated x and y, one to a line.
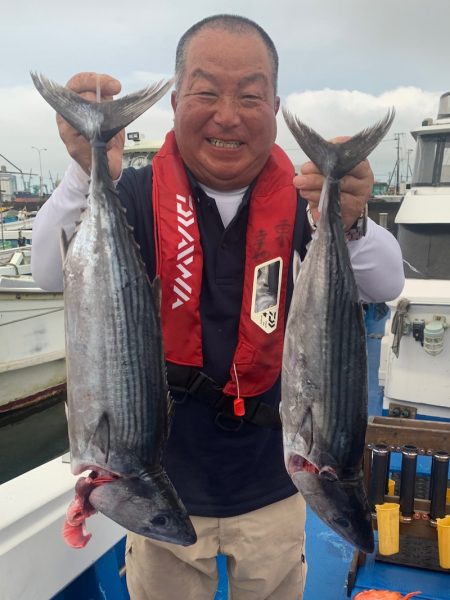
377	264
61	211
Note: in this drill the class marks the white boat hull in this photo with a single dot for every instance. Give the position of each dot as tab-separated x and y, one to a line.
417	379
35	562
32	347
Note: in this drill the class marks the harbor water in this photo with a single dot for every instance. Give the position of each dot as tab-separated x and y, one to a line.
32	436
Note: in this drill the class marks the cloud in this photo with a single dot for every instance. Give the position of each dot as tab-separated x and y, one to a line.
345	112
26	120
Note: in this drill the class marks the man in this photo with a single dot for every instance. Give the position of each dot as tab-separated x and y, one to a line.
227	466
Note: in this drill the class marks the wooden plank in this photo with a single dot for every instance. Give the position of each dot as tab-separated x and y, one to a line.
428	436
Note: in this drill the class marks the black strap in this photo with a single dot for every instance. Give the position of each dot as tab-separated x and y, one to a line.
195	383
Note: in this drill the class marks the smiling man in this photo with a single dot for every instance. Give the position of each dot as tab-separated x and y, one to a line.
225	107
225	205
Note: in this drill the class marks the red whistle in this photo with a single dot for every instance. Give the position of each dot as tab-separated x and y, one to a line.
239	407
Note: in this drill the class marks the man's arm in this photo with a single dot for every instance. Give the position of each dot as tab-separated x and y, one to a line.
376	258
63	209
377	264
61	212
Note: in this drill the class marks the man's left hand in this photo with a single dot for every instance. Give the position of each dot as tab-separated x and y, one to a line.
356	188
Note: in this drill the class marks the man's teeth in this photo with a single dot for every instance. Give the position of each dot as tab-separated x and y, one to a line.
223	144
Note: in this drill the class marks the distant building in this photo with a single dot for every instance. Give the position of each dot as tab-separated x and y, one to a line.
380	188
8	185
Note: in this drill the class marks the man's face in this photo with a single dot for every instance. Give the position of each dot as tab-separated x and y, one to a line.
225	108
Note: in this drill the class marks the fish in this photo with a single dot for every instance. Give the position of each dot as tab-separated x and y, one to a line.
323	405
117	394
384	595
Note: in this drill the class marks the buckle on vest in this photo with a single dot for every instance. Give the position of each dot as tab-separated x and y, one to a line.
220	422
199	380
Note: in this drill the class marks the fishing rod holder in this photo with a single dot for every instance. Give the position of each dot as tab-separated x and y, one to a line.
421	493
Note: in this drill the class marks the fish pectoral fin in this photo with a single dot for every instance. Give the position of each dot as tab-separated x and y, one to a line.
102	436
306	429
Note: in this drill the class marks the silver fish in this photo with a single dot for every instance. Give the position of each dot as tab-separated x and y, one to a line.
118	401
324	373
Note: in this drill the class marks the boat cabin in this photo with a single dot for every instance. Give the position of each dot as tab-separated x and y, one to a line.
424	216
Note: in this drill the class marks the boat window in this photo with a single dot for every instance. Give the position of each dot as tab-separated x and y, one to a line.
425	155
445	173
432	164
425	249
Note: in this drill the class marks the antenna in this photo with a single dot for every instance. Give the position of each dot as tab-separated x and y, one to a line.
396	168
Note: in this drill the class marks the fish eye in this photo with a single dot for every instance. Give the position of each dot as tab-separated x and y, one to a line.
342	522
160	521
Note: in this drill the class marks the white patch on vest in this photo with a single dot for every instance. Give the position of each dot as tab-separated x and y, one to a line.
266	294
185	218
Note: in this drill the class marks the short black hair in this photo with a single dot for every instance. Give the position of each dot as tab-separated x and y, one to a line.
233	24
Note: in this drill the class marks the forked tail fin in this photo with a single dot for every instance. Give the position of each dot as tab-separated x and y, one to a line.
335	160
98	120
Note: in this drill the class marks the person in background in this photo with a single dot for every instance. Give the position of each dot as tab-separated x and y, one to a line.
242	207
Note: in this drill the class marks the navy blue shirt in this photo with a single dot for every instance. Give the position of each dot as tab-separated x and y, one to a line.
217	473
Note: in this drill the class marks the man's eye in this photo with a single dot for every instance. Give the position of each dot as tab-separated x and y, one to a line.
250	98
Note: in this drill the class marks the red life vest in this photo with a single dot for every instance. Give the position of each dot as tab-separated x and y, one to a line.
272	209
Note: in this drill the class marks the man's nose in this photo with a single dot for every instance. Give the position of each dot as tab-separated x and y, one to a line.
227	112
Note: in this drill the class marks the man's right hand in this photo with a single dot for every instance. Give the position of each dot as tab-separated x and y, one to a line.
77	146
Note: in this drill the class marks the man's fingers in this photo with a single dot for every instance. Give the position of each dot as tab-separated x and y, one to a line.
313	181
361	171
309	168
351	203
87	82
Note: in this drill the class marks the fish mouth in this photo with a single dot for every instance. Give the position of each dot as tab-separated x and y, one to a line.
343	506
225	144
299	464
337	498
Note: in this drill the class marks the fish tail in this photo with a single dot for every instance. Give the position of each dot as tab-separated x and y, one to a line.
98	120
335	160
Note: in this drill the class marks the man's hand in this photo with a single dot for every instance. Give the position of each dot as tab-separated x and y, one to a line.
77	146
356	188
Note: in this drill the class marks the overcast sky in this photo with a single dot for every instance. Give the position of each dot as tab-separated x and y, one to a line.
342	64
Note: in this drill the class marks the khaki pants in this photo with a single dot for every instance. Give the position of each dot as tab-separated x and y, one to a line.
265	550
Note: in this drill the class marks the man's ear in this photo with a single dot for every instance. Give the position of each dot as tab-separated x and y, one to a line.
173	100
277	104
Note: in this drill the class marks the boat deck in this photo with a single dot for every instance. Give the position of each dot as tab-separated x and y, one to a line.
329	557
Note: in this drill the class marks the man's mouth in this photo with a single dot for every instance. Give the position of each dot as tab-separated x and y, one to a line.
224	143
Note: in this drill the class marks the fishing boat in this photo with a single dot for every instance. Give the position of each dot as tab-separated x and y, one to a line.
15	236
16	261
415	356
139	151
32	351
23	221
36	565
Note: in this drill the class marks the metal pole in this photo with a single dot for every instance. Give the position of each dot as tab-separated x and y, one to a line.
408	482
39	150
16	167
408	168
397	186
383	217
378	475
438	485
